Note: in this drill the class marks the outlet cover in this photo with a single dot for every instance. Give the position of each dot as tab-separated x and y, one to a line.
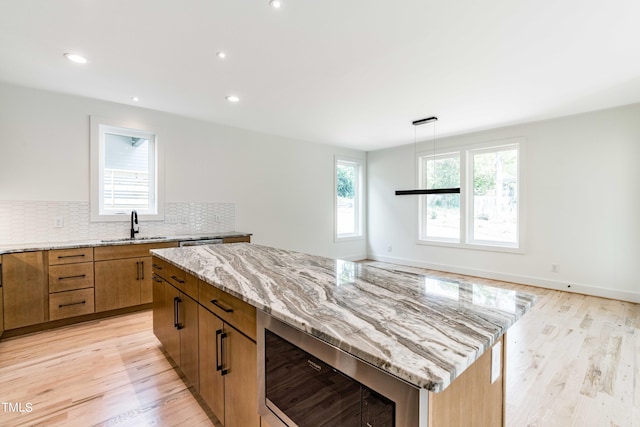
58	222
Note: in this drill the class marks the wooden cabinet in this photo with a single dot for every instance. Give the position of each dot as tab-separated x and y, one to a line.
25	290
245	239
70	283
175	324
1	305
228	372
123	275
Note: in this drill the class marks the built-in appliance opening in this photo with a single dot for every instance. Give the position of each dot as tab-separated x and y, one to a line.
304	382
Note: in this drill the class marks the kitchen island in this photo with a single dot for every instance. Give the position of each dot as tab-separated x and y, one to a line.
424	331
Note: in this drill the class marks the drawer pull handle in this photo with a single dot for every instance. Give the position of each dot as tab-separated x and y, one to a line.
70	256
79	276
71	304
177	280
157	279
156	266
222	307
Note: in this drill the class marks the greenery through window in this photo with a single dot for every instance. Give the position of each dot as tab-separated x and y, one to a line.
348	198
487	210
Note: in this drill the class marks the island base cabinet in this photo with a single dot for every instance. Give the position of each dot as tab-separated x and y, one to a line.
228	372
175	324
472	400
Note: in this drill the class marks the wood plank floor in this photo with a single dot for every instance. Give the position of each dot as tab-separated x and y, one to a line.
573	360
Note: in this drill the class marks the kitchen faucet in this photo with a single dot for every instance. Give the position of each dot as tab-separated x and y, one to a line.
134	220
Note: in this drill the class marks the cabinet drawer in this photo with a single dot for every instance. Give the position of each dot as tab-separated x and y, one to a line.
70	303
246	239
182	280
232	310
70	256
160	268
70	276
132	250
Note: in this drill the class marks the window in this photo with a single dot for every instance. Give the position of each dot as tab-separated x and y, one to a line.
348	198
440	213
486	213
124	172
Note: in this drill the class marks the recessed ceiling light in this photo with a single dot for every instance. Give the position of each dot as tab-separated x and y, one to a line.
221	55
276	4
135	99
76	58
233	98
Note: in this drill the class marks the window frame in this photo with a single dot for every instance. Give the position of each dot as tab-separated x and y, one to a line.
358	197
466	196
99	127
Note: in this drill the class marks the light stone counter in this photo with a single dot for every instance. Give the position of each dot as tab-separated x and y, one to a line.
424	330
47	246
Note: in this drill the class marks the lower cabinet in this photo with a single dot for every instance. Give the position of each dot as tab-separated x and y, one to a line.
25	289
228	372
123	275
175	324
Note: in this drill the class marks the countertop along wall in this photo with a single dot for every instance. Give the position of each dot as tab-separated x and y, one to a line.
582	201
282	189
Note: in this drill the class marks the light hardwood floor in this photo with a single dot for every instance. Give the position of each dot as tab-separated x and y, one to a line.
573	360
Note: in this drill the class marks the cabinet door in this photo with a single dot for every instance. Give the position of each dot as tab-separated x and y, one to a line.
211	381
117	284
146	272
164	317
241	381
26	293
1	310
188	314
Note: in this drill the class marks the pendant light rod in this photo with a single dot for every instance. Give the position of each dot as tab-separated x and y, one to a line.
424	121
430	191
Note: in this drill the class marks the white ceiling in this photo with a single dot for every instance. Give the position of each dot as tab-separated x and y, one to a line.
346	72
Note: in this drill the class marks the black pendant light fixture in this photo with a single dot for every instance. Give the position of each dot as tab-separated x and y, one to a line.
432	190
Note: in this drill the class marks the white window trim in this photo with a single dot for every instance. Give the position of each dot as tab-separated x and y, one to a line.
360	199
97	125
465	204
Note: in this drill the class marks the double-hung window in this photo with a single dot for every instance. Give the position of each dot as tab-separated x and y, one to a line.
348	198
487	212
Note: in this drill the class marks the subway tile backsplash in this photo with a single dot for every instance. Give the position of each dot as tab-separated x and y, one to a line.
48	221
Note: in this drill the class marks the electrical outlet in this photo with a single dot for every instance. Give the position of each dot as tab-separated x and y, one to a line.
389	248
170	219
554	268
184	219
58	222
217	219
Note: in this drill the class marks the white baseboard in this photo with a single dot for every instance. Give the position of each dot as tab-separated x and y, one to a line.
358	257
515	278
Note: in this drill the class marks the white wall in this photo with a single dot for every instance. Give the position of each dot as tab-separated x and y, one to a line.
582	206
282	189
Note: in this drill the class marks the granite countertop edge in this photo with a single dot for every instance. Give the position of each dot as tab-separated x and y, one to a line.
74	244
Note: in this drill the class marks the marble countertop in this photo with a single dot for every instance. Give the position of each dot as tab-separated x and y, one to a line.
45	246
424	330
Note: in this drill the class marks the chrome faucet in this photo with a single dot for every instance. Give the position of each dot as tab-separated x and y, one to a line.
134	220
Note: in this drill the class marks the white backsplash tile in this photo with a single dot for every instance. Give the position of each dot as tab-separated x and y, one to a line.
34	221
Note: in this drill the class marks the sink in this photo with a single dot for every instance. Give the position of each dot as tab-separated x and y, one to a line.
129	239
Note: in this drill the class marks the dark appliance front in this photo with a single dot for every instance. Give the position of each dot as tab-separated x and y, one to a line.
310	393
